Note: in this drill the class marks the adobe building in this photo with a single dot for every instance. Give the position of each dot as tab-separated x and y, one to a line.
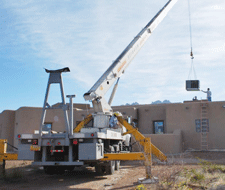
173	127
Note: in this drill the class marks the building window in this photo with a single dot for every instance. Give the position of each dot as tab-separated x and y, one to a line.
198	125
204	127
129	119
47	127
158	127
134	123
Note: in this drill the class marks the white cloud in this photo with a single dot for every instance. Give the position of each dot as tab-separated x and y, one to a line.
88	35
217	7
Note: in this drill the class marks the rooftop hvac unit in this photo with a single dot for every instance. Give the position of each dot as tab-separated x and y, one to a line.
192	85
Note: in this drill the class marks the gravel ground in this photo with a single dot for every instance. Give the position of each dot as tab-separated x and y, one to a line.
21	175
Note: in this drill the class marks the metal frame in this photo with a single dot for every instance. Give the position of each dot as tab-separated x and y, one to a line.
3	152
55	77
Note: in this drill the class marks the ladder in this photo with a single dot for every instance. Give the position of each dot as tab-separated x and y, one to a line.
204	126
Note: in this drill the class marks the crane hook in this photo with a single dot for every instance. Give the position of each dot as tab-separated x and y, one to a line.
191	54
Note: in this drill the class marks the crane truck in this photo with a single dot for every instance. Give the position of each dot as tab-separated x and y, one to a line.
108	135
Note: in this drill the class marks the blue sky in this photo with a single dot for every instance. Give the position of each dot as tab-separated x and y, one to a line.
88	35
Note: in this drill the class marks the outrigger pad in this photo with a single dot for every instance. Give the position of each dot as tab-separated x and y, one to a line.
65	69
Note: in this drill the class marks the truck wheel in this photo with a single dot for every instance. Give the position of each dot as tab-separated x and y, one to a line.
60	170
69	168
54	170
49	170
99	169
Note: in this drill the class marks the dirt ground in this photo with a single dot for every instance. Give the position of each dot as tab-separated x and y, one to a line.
81	178
21	175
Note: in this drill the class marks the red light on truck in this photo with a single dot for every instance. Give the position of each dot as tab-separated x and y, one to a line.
35	142
59	143
92	134
75	142
56	150
19	136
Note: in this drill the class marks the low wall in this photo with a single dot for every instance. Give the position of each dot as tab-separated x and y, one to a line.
167	143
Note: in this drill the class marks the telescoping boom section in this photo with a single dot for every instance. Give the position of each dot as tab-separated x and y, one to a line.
97	92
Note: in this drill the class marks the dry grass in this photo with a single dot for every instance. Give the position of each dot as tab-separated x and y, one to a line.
206	175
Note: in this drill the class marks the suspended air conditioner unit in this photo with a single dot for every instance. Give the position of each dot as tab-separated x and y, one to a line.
192	85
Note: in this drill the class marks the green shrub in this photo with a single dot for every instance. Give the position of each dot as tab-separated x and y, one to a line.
197	176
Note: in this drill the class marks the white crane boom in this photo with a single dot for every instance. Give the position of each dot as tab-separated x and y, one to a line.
97	92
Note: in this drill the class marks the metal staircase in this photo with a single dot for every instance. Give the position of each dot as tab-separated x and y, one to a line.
204	125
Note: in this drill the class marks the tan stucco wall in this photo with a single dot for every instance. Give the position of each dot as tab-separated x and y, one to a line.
183	116
7	118
178	116
28	119
79	115
167	143
149	113
217	125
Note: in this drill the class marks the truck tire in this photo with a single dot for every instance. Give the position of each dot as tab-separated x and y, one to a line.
99	169
60	170
69	168
50	170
